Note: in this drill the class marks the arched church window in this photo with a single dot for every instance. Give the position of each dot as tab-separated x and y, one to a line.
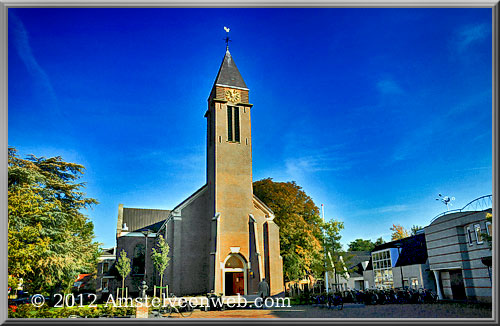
139	259
234	262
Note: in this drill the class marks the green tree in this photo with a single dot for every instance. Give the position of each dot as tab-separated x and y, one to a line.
415	228
399	232
123	268
337	259
379	241
300	226
361	245
160	258
50	240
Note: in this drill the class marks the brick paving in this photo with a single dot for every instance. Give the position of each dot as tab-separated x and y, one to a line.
439	310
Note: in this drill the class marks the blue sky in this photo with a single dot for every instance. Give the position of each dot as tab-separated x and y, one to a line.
372	111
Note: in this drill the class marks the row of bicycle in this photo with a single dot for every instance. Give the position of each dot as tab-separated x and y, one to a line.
376	296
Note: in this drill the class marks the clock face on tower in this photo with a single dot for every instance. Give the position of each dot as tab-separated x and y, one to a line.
232	95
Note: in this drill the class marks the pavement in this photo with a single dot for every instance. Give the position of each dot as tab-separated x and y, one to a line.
357	311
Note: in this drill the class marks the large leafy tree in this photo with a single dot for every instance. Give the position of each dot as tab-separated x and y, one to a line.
361	245
50	240
399	232
300	226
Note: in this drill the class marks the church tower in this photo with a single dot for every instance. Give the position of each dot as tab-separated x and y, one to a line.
229	167
222	238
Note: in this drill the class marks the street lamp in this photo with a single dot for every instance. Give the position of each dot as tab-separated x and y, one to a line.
399	245
146	234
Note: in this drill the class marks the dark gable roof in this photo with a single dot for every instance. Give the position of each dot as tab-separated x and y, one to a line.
138	219
108	251
413	250
354	260
356	257
229	74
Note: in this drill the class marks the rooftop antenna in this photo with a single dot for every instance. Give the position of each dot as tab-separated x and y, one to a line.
227	39
445	200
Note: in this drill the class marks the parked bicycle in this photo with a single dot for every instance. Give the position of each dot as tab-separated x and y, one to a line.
428	296
335	301
181	306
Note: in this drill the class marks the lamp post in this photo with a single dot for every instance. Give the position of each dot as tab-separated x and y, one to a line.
398	245
146	234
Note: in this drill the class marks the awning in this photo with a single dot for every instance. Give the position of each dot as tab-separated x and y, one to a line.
486	261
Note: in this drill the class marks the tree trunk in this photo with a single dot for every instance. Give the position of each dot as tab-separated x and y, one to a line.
123	286
161	284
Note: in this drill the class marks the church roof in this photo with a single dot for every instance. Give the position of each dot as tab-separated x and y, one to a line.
229	75
138	219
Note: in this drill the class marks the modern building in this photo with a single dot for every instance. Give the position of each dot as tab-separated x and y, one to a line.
459	256
400	263
222	238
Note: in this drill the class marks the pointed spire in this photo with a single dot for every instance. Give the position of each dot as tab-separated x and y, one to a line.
229	75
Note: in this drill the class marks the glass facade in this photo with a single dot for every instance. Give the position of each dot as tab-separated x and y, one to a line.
382	269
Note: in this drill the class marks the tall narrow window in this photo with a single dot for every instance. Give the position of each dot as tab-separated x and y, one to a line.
229	123
469	236
236	124
479	237
233	123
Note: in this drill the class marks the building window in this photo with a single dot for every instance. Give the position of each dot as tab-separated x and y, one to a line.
233	124
488	228
105	267
479	237
104	285
414	283
469	235
382	269
138	260
230	123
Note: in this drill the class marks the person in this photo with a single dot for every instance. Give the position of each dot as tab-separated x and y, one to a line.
263	289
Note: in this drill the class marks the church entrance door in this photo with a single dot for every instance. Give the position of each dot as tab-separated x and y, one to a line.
235	278
235	283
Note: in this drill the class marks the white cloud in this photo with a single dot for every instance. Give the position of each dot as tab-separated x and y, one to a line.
384	209
471	34
23	47
315	163
387	86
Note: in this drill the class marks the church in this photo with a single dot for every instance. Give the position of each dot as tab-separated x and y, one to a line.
222	238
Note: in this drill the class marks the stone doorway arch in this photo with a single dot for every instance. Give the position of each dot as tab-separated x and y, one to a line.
234	279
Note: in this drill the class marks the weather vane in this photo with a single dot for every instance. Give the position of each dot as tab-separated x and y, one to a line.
227	39
445	200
